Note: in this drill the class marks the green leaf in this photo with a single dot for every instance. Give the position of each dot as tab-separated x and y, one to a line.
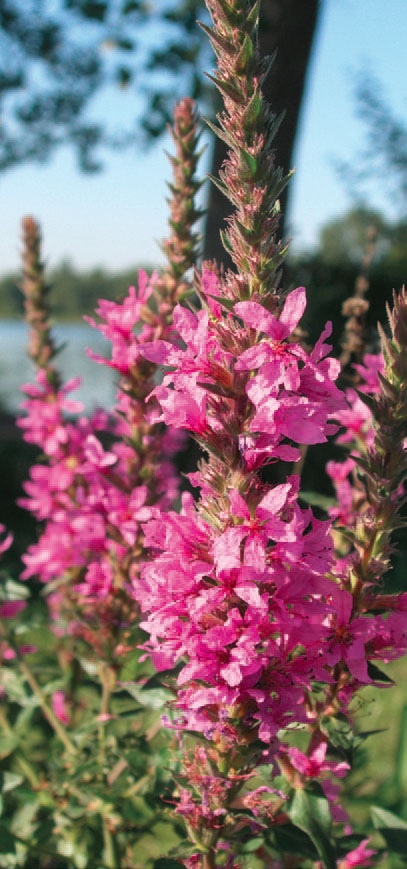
378	675
249	160
217	40
384	818
369	400
12	590
219	132
227	89
317	500
225	241
253	112
310	812
8	742
13	685
401	756
156	698
9	781
392	828
226	303
167	863
231	15
7	841
253	16
245	56
292	840
219	184
252	845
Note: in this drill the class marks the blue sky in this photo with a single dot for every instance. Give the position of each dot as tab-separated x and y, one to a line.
114	218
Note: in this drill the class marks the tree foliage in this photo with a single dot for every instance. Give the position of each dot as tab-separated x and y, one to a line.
384	157
56	56
74	292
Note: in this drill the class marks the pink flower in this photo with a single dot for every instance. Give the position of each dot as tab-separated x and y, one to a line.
11	608
97	458
6	543
373	365
360	856
257	317
98	581
314	764
59	707
256	530
118	323
349	637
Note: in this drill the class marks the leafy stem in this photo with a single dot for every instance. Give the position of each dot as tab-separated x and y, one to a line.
39	693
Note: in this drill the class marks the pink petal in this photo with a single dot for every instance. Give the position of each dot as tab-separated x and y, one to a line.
257	317
254	357
294	307
226	549
11	608
238	504
232	674
274	501
255	553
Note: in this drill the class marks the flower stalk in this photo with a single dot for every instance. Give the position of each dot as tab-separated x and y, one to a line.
249	178
182	246
384	468
35	288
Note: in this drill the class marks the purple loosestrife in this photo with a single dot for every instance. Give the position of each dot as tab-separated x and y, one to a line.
241	592
238	591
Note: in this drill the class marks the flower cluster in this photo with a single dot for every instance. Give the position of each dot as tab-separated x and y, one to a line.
243	588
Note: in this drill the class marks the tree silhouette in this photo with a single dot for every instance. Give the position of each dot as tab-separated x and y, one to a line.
56	55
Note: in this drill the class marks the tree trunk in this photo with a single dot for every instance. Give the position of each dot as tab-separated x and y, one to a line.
289	26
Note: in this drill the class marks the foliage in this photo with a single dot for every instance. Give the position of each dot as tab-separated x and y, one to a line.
385	155
74	292
56	57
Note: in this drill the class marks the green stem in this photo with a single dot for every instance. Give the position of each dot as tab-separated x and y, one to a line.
110	850
108	678
49	714
209	860
37	690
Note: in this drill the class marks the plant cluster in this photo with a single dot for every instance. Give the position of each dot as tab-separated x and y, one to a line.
255	623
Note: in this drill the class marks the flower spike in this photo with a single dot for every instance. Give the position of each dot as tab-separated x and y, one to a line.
249	176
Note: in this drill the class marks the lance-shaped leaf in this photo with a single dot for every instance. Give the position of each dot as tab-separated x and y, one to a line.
310	812
392	828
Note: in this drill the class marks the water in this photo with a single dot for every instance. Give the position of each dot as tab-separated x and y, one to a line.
98	381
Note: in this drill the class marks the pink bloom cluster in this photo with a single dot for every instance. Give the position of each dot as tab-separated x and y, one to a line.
358	436
92	498
291	395
238	588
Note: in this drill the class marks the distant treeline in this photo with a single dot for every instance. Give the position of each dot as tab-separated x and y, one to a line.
74	292
328	273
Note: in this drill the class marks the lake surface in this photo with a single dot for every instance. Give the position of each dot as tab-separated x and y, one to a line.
98	382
